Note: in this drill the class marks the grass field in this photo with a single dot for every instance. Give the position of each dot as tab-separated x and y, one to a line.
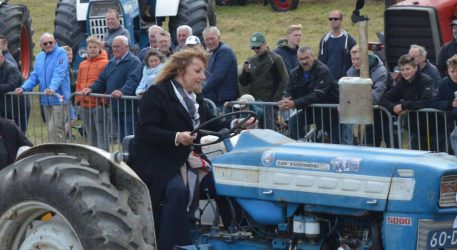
237	23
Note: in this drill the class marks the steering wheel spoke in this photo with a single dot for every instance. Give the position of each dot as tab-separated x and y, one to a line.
209	132
225	134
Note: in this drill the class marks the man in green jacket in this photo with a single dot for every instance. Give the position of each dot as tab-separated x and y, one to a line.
264	76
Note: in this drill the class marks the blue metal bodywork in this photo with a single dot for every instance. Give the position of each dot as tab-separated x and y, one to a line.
269	174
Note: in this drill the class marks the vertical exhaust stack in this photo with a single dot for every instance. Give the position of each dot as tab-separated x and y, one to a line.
355	92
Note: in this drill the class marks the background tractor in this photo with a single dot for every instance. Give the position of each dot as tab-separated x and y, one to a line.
16	25
421	22
77	19
282	5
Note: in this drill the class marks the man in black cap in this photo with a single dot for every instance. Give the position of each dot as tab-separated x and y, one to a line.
448	50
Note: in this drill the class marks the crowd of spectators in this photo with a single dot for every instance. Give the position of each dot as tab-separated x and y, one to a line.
291	75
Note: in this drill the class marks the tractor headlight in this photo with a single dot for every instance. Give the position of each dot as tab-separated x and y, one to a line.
448	191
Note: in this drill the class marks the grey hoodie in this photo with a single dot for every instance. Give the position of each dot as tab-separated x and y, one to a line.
378	74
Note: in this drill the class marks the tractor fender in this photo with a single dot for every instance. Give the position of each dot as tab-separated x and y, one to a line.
121	176
167	8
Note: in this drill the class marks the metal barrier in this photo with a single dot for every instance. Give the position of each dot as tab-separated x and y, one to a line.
425	129
15	108
101	120
381	132
41	123
102	123
98	120
320	123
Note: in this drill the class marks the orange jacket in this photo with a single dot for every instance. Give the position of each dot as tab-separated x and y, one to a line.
89	70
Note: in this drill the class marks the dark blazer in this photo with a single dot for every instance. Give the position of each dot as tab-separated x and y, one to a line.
14	138
156	158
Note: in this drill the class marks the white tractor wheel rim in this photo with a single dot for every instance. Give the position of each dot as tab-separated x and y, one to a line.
33	233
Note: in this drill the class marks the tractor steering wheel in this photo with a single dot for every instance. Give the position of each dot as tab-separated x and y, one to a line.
223	134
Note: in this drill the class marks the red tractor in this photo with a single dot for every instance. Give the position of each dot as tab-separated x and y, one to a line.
16	25
421	22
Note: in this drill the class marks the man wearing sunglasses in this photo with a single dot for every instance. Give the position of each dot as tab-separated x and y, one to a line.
51	72
335	46
264	76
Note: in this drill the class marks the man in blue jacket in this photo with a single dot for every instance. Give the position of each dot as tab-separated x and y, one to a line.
120	78
335	45
51	72
221	83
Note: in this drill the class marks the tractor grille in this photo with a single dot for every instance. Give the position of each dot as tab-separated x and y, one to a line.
426	226
410	25
98	26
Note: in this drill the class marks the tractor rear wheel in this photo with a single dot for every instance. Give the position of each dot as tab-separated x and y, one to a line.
16	25
211	12
284	5
58	202
194	13
67	29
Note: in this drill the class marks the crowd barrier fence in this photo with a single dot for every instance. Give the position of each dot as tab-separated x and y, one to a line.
101	120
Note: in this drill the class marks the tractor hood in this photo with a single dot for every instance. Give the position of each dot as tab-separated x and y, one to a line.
267	166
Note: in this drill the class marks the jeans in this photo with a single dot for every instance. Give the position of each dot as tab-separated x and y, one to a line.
347	136
270	117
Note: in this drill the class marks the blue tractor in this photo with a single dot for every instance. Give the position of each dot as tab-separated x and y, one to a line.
77	19
294	195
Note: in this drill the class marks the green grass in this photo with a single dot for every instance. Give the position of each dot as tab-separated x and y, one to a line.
237	23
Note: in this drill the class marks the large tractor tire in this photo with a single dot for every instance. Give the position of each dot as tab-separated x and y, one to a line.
67	29
194	13
284	5
211	12
56	201
16	25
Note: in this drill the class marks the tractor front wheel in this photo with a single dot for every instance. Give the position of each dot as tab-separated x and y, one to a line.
56	201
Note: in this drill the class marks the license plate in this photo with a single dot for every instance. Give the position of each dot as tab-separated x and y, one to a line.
445	238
